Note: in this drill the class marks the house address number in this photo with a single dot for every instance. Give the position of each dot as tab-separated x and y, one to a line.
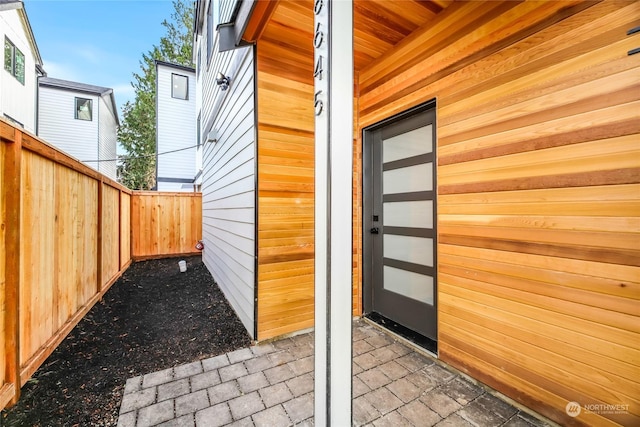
318	42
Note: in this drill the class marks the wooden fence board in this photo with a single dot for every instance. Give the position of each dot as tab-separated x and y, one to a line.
110	234
37	253
11	236
3	280
165	224
67	234
125	229
66	259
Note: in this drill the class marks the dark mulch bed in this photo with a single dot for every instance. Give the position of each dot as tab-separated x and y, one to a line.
153	318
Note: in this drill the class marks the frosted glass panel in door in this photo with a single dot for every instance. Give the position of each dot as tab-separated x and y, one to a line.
417	214
409	179
408	144
416	250
412	285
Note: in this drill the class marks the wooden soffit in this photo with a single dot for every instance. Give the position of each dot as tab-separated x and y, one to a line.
262	12
379	25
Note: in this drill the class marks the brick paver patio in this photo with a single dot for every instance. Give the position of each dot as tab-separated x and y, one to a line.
272	385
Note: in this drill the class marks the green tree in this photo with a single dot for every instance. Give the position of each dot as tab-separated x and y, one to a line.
137	133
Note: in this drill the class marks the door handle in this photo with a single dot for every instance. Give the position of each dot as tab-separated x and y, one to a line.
375	230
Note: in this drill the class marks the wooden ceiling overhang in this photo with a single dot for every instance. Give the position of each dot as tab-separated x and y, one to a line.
378	25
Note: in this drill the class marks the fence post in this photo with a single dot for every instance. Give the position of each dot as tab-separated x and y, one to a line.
99	237
12	195
119	230
134	217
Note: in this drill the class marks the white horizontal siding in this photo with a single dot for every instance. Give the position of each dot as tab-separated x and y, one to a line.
228	178
108	137
17	100
175	187
228	267
176	128
59	127
226	10
244	183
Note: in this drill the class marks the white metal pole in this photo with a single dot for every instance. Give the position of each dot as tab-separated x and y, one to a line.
333	42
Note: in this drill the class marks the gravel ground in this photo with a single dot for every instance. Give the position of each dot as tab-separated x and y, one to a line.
152	318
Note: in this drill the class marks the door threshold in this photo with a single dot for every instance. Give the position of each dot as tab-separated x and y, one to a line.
424	343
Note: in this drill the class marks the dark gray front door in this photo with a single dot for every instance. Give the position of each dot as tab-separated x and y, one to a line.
400	221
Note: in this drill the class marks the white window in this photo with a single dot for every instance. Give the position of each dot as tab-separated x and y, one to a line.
84	109
179	86
13	60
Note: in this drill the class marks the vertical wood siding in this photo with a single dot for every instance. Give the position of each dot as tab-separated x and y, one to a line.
538	111
286	174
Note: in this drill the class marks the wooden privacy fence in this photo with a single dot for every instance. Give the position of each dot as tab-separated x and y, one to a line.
66	234
165	224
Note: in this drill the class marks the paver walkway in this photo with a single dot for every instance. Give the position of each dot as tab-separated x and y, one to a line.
272	385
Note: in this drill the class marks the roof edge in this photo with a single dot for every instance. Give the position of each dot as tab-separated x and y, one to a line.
173	65
73	86
22	12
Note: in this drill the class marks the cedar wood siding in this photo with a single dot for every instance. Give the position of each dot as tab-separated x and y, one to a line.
538	194
538	190
286	173
228	183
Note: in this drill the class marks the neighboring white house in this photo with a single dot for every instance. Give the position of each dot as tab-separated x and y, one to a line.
22	65
176	133
227	132
81	120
